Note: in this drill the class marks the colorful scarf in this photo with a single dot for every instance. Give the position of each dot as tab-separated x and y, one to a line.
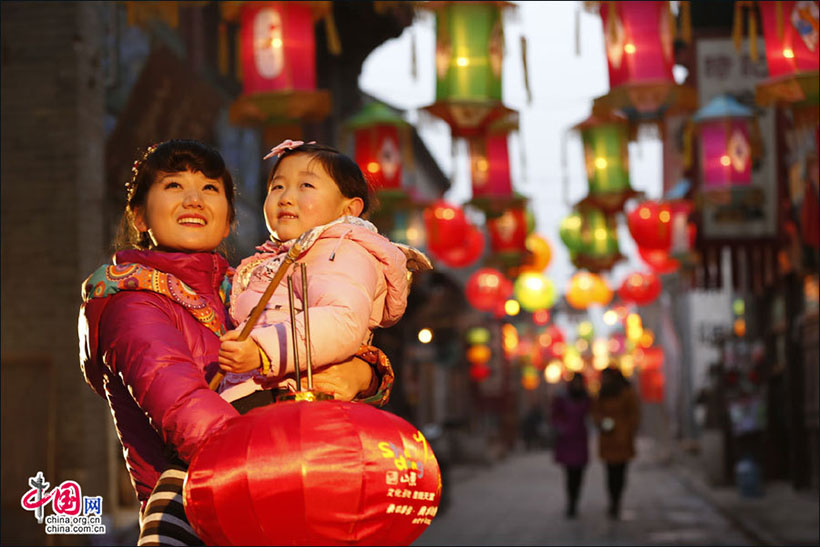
113	278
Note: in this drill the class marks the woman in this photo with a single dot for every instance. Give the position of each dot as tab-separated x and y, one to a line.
150	324
569	413
616	412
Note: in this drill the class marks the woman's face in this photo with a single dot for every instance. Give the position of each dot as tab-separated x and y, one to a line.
302	196
185	211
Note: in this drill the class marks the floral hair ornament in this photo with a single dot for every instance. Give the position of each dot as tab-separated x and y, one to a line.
131	184
287	144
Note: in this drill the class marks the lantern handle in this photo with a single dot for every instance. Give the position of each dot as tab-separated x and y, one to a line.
308	358
293	335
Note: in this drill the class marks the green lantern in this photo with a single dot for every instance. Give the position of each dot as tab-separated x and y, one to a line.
591	236
570	231
469	55
606	154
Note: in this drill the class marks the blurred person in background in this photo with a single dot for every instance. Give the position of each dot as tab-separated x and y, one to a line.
616	412
570	408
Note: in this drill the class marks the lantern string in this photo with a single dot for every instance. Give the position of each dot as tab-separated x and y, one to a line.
306	318
577	31
526	71
293	335
737	26
334	44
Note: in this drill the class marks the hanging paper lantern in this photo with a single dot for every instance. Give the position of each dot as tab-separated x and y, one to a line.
541	317
725	149
592	238
570	231
480	372
659	260
650	225
467	253
791	33
586	289
539	254
639	38
278	61
529	378
650	363
446	226
606	154
534	291
508	235
244	489
487	288
478	354
552	343
478	335
640	288
469	55
382	148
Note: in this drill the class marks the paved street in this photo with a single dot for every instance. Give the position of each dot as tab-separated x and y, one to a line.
520	501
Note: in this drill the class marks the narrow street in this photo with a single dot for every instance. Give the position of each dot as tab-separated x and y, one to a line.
520	501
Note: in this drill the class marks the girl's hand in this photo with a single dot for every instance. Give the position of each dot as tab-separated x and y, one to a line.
343	380
236	356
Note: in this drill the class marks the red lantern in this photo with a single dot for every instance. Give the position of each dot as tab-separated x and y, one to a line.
446	226
791	33
659	260
490	168
508	232
640	288
639	40
313	473
650	225
480	372
465	254
278	62
652	382
487	288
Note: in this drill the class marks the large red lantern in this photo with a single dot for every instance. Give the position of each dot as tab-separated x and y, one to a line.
640	288
490	168
791	32
466	254
446	226
382	147
487	288
725	146
650	224
508	233
639	39
278	61
313	473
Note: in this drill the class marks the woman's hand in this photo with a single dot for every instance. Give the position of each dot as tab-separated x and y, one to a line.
343	380
236	356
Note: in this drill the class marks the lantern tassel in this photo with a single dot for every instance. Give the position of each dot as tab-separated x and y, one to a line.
737	26
334	44
752	22
526	71
222	52
685	21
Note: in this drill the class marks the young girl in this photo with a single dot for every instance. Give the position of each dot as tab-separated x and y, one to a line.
357	279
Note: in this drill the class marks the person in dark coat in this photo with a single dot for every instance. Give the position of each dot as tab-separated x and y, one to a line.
569	414
616	412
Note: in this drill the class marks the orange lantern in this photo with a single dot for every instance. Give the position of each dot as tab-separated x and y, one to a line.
278	61
479	354
313	473
639	39
586	289
791	32
539	254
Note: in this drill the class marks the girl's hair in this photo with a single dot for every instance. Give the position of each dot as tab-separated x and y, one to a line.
612	382
343	170
172	156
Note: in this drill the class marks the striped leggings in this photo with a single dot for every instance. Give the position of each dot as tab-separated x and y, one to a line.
164	521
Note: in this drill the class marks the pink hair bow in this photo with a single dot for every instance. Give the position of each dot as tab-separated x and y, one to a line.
287	144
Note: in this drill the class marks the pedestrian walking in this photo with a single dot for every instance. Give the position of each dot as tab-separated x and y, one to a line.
616	412
569	420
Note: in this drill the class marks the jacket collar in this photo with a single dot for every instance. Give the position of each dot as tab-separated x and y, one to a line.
203	272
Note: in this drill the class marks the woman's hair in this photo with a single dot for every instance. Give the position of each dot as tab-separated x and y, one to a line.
576	386
171	156
612	382
344	171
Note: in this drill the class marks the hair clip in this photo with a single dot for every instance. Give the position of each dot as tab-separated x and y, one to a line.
287	144
131	184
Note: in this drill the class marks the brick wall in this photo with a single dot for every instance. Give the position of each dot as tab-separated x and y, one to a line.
52	237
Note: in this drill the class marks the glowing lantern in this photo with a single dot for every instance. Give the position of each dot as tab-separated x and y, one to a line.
650	363
650	225
529	378
479	372
592	238
508	234
791	33
640	288
586	330
586	289
553	372
490	168
552	342
382	147
478	354
465	254
725	149
639	39
541	317
486	288
446	226
534	291
659	260
606	154
573	360
469	55
278	61
478	335
539	254
244	489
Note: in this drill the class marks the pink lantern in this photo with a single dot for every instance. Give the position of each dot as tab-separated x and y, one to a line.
725	147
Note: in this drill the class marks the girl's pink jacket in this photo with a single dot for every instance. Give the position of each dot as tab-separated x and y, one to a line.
357	281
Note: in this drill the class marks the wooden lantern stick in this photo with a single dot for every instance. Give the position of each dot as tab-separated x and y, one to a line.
260	306
293	335
309	359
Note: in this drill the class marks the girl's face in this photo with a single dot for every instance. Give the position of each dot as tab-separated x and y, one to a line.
185	211
302	196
